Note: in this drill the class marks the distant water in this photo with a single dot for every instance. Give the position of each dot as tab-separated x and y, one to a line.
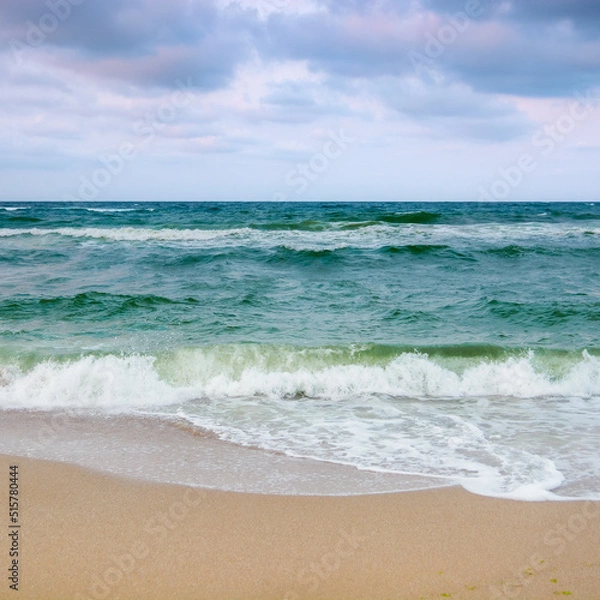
447	339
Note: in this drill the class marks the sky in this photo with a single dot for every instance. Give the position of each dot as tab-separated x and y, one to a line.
300	100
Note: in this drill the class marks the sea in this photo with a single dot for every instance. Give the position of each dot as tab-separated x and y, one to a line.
458	342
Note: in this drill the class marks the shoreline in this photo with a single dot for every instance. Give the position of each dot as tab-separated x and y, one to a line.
171	450
90	535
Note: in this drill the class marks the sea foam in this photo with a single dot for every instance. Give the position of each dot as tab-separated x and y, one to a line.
335	237
394	417
249	371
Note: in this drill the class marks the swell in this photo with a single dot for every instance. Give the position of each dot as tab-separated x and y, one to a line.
348	221
510	237
301	256
87	306
421	217
16	218
547	313
424	250
584	215
303	225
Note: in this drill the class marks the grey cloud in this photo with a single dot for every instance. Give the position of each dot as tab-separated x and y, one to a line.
578	11
167	67
121	27
528	54
457	110
366	6
483	9
498	129
291	94
144	42
155	43
582	14
303	102
526	65
329	44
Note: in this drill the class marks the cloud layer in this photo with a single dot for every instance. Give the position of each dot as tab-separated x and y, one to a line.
224	99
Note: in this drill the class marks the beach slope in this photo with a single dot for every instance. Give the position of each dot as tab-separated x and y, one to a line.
88	535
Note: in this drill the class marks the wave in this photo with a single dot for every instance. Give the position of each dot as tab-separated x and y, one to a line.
345	222
83	303
305	225
495	426
570	214
410	374
415	218
282	254
129	234
546	313
104	209
109	382
247	370
514	251
373	236
23	219
116	210
419	217
416	249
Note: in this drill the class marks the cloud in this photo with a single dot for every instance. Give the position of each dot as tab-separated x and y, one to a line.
142	42
264	74
503	48
582	13
455	109
130	27
538	48
535	48
164	67
348	43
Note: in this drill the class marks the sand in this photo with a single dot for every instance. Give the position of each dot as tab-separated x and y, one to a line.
88	535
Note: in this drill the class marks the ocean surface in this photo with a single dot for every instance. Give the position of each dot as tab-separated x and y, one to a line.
455	340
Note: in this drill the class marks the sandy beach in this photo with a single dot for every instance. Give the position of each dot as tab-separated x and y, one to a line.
88	535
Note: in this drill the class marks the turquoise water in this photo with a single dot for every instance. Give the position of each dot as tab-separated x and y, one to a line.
448	339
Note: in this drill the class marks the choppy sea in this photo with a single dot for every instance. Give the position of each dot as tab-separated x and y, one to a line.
454	340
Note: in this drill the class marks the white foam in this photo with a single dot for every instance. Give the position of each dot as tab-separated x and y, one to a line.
128	234
408	375
134	380
111	210
370	237
500	428
108	382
